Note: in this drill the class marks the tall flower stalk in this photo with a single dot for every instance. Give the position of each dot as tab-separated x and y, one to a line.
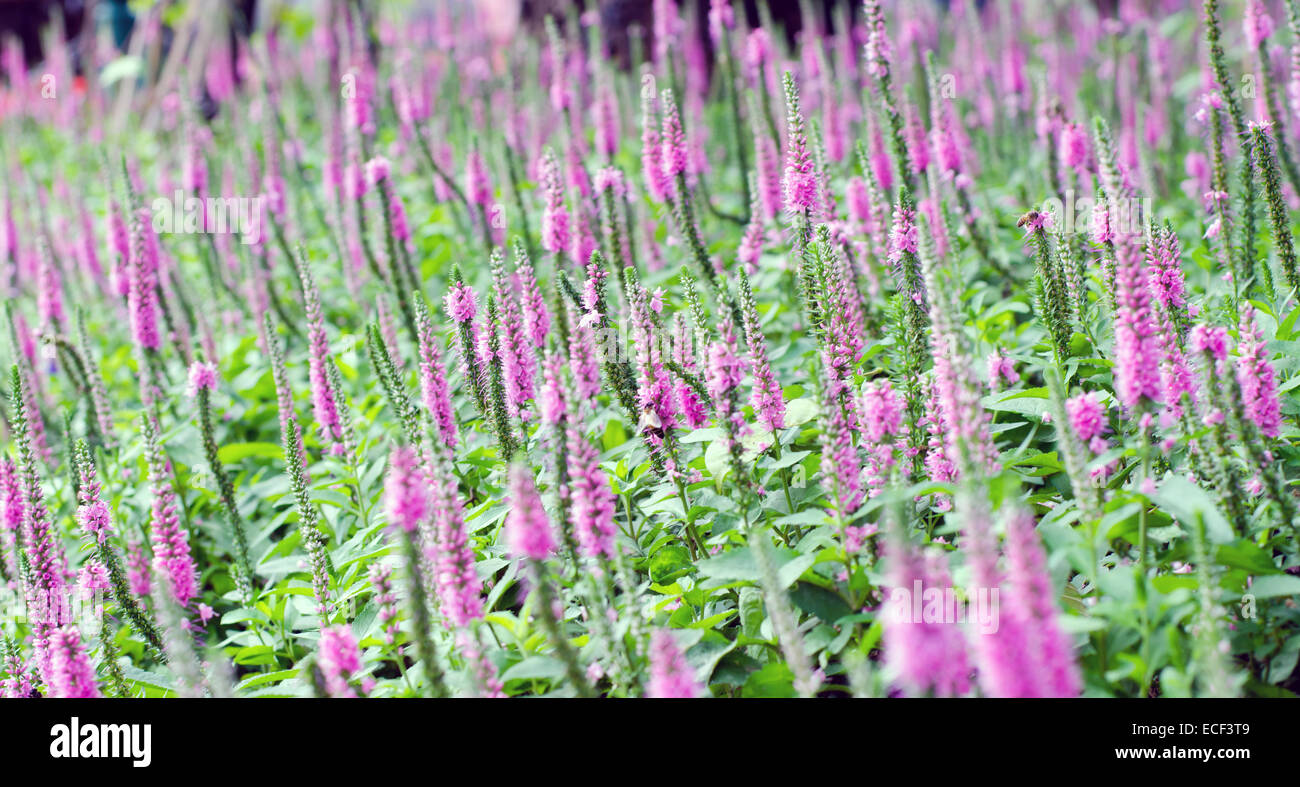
168	535
1278	215
406	501
461	306
96	520
203	381
1218	65
47	589
295	459
433	376
330	411
530	535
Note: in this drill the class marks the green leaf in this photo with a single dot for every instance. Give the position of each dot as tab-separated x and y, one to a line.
1254	688
738	565
707	434
535	668
734	565
1185	501
788	573
264	678
255	654
773	681
717	460
1247	556
800	411
1170	582
822	602
788	458
234	452
1080	624
751	612
146	678
669	563
1079	344
615	435
711	622
812	516
1285	329
1049	461
1027	393
1029	402
1275	585
705	654
717	457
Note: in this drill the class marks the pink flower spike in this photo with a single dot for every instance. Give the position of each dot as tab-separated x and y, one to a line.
1212	340
674	155
460	302
1257	23
1257	377
406	496
555	216
1087	415
203	377
71	673
670	675
528	529
339	659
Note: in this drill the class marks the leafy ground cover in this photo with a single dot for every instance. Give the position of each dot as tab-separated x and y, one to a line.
927	351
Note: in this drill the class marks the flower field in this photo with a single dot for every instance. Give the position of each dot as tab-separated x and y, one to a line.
435	350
